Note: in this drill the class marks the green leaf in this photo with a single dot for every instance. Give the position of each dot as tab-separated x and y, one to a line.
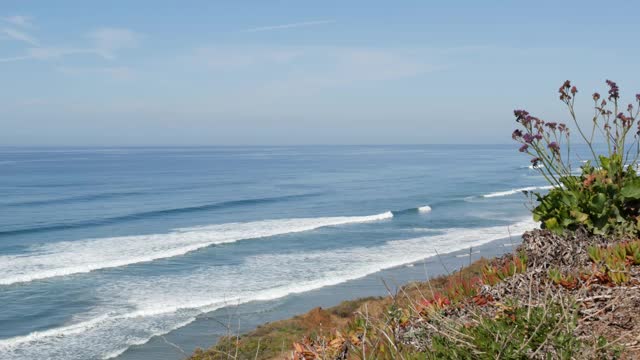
598	202
605	162
631	190
552	224
579	216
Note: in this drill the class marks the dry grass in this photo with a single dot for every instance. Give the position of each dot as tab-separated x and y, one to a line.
551	301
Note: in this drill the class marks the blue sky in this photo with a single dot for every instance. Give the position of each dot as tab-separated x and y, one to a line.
300	72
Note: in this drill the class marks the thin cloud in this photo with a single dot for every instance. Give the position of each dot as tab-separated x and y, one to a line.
15	58
290	26
115	72
109	40
19	20
105	43
20	36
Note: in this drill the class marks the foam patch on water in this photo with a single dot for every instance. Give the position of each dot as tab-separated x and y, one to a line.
140	308
73	257
516	191
424	209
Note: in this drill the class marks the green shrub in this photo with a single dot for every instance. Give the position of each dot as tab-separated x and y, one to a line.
596	200
605	197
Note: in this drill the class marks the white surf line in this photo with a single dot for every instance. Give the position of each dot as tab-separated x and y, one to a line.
364	261
515	191
74	257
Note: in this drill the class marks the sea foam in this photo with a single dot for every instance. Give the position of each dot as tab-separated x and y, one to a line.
424	209
73	257
140	309
516	191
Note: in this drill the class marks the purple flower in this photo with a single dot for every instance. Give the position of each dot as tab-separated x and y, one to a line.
520	114
564	95
538	136
614	91
524	148
517	134
535	161
554	147
625	120
638	97
552	125
528	138
596	96
562	127
574	90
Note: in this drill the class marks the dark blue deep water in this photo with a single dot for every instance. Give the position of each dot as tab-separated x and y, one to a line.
105	248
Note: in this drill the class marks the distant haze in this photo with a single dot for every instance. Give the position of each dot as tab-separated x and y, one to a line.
282	73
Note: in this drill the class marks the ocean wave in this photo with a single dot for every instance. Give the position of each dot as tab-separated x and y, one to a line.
424	209
515	191
420	209
152	308
73	199
531	167
153	214
73	257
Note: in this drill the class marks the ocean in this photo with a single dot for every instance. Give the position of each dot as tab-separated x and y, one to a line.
104	251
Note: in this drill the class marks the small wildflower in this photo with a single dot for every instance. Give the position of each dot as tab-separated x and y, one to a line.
538	136
520	114
552	125
554	147
574	90
614	91
517	134
564	96
524	148
528	138
596	96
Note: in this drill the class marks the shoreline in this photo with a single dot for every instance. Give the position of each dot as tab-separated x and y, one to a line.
207	328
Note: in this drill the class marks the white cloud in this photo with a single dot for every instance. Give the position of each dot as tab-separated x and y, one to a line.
49	53
45	53
14	58
19	20
289	26
20	36
227	58
318	65
114	72
105	43
108	41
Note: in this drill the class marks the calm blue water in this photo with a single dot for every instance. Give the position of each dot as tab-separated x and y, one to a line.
101	249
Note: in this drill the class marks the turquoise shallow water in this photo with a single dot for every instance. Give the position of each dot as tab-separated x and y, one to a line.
103	249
